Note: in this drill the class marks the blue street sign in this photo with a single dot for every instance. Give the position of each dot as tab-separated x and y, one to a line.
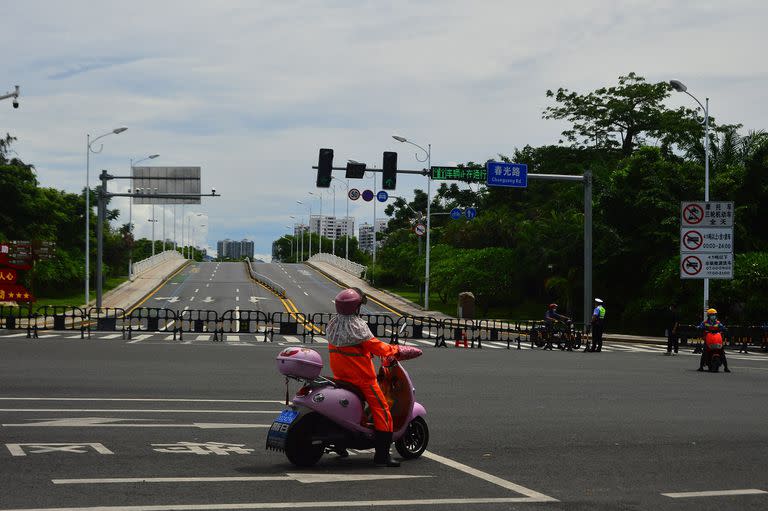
367	195
500	173
470	213
456	213
382	196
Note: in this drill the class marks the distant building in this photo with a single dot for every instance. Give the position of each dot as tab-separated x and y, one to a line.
332	227
231	249
300	229
365	234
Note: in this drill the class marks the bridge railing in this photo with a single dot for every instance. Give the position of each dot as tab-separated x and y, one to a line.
264	280
358	270
150	262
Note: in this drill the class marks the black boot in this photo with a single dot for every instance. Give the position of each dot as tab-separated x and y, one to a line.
382	441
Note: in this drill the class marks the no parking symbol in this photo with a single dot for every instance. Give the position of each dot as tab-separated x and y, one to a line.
693	214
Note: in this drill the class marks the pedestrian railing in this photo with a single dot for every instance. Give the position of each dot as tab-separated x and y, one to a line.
309	326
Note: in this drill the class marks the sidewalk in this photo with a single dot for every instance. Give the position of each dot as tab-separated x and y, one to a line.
391	300
131	294
406	307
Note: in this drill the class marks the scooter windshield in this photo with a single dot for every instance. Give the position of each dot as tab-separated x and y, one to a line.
395	385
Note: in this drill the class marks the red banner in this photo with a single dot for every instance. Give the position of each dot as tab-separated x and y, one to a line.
8	276
14	293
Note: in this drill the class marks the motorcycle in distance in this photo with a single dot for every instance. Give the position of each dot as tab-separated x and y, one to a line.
713	344
328	415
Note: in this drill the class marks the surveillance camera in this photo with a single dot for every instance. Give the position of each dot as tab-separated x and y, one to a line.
213	190
15	103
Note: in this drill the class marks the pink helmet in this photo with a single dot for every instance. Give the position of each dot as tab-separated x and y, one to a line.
348	301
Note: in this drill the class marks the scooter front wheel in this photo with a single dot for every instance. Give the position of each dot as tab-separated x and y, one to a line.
414	442
299	446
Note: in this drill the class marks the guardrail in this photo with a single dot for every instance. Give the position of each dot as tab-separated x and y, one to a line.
150	262
264	280
358	270
308	326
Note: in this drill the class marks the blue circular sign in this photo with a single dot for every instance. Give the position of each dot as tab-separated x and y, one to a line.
367	195
456	213
470	213
382	196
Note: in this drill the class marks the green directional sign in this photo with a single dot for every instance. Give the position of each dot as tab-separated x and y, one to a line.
459	174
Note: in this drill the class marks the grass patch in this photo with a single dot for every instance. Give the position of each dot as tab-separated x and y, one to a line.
76	298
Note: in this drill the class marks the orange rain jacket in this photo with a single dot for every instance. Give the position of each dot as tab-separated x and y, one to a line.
354	364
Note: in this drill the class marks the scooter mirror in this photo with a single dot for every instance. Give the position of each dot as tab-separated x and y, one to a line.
402	329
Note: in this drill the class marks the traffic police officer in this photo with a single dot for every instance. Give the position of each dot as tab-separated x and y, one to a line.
598	323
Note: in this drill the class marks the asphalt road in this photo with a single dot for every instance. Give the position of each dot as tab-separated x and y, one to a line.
509	430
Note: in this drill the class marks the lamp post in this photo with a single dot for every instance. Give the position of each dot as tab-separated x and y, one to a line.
89	149
154	221
346	218
296	240
189	218
291	241
319	223
428	159
680	87
130	214
308	206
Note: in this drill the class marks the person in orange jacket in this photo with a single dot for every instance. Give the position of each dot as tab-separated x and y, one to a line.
351	347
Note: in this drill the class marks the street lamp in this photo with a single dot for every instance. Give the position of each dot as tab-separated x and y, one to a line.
89	149
130	215
189	218
680	87
428	159
319	223
346	218
308	206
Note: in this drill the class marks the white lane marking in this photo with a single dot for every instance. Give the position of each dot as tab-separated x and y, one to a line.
298	505
196	290
307	294
233	338
110	422
169	338
186	307
301	478
237	290
145	399
290	338
540	497
16	335
207	285
111	336
73	336
716	493
123	410
237	298
321	340
202	337
191	298
139	338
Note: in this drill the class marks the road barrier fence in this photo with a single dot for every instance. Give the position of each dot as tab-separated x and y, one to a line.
309	326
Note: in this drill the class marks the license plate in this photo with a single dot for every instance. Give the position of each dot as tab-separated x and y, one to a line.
279	430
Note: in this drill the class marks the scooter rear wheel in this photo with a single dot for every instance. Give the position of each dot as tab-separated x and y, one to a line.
299	448
414	442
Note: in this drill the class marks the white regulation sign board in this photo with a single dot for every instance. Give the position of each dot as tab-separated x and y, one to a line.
706	266
706	240
698	240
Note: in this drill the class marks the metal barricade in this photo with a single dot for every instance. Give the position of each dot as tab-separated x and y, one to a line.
106	319
199	322
61	318
418	328
152	319
289	323
488	330
462	331
320	320
244	322
382	326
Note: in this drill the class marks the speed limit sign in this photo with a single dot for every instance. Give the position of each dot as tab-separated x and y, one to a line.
420	230
354	194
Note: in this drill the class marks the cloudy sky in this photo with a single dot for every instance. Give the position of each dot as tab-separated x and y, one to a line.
250	90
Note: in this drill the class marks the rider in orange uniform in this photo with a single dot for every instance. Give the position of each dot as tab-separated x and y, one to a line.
713	339
352	346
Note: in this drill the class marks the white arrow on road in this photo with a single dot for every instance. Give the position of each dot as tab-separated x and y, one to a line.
301	478
169	299
113	422
208	299
255	299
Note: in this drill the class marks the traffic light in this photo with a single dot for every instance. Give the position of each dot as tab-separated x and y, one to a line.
389	174
324	167
355	170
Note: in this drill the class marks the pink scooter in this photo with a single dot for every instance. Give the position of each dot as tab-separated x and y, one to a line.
329	415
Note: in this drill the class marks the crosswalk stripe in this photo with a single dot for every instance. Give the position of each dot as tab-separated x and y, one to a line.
233	338
290	338
139	338
24	334
111	336
168	338
202	337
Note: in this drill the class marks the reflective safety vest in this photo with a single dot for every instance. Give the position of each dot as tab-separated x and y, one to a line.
599	312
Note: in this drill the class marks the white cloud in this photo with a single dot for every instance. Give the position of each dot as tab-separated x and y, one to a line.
249	90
